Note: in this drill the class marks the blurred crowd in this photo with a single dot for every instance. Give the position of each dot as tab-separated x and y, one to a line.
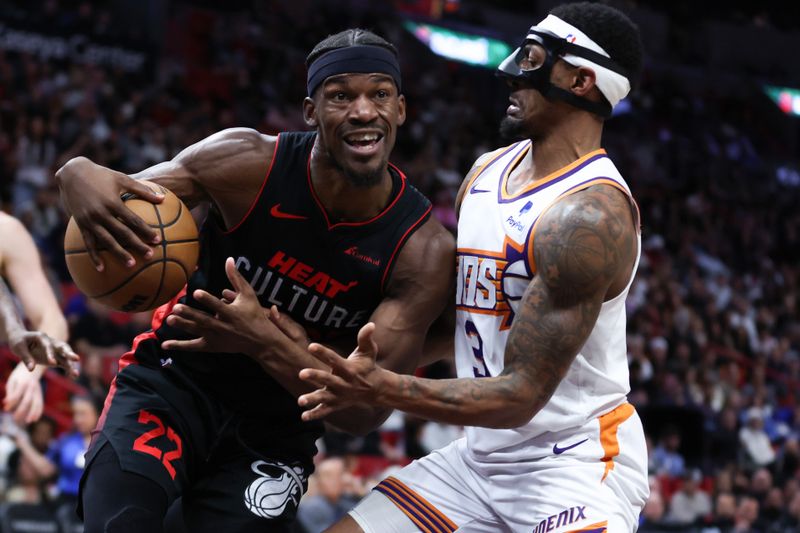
713	334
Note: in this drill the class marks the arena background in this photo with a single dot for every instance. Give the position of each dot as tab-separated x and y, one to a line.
708	143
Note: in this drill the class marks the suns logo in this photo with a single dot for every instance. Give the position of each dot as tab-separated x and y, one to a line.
491	283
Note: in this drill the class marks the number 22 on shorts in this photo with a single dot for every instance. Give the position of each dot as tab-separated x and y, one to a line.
141	443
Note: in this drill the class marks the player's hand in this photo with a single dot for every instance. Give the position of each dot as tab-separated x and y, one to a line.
236	322
355	380
23	395
37	348
289	327
92	195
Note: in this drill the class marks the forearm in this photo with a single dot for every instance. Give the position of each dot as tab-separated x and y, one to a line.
495	402
283	362
10	323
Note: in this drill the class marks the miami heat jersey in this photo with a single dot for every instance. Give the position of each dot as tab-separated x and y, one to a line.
328	276
496	231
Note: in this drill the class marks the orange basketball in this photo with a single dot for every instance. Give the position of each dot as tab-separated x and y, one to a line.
151	282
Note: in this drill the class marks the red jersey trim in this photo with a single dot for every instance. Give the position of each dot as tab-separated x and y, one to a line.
129	357
260	191
385	210
400	243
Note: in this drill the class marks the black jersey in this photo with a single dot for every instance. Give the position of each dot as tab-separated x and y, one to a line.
327	276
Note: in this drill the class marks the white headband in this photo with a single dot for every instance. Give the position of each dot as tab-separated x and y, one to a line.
613	85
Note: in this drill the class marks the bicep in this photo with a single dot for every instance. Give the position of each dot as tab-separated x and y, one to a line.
227	168
581	247
420	287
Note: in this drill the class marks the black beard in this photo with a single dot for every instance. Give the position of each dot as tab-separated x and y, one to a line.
364	180
512	129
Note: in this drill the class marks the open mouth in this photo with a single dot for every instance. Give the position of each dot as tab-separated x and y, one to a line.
365	142
512	109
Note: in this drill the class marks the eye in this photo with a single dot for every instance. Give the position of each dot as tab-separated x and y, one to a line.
382	93
340	96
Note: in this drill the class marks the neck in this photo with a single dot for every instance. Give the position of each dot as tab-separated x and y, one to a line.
567	141
343	200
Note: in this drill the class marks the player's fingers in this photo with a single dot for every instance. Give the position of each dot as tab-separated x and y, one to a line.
146	190
49	352
198	344
214	304
329	357
91	248
229	295
185	324
239	283
288	326
366	343
317	413
24	353
319	396
133	232
322	379
106	241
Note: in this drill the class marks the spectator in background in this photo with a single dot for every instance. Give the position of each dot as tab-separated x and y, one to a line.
66	455
724	513
30	469
690	504
754	439
666	459
652	518
330	503
92	377
746	516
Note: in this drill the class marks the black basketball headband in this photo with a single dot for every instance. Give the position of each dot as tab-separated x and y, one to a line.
358	59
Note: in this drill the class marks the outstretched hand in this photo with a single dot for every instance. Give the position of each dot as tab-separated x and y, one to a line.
355	380
235	323
37	348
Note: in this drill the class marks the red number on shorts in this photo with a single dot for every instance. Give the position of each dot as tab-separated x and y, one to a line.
174	454
140	444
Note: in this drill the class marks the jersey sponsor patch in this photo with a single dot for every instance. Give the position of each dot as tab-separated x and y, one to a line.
276	486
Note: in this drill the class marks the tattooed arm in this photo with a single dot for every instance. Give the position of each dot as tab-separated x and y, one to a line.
585	248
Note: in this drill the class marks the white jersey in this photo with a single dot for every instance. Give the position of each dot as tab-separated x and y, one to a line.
495	265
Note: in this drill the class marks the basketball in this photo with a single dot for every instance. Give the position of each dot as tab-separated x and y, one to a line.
151	282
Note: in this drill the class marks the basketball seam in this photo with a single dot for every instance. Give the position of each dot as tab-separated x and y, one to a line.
163	257
84	251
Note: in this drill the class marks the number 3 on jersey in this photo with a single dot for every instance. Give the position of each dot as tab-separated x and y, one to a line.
481	370
141	443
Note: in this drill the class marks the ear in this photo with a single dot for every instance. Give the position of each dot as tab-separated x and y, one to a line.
310	112
584	81
401	110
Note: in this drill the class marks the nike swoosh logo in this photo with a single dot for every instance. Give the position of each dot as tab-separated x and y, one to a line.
476	191
559	451
277	213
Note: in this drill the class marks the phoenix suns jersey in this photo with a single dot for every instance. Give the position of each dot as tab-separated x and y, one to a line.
496	231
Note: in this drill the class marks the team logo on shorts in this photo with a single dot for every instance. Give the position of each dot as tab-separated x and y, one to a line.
276	485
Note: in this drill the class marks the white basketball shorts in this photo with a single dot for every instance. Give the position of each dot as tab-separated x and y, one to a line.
597	486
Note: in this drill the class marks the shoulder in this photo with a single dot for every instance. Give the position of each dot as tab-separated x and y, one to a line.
230	146
479	163
585	239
